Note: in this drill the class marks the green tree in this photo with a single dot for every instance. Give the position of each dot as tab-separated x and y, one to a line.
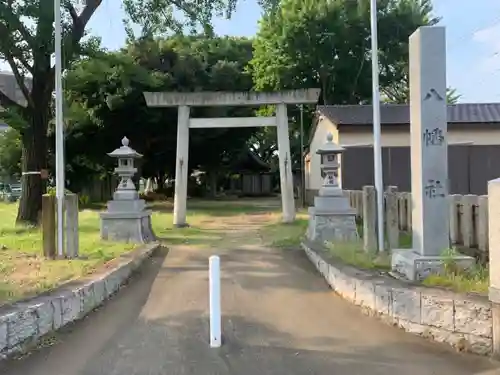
326	44
105	95
159	17
105	102
27	45
10	153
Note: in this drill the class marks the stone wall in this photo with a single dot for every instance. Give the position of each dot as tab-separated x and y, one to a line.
461	321
23	324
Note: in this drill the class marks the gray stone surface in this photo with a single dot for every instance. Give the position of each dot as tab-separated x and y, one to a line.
369	215
331	227
406	304
414	266
473	317
230	98
45	321
429	145
127	227
126	219
443	316
331	218
24	323
4	335
429	155
72	233
437	311
279	318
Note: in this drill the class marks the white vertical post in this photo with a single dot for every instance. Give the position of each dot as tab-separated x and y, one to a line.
181	166
60	179
377	147
285	162
214	293
302	166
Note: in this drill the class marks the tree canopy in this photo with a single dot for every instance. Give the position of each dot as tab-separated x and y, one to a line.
300	43
326	44
105	95
27	45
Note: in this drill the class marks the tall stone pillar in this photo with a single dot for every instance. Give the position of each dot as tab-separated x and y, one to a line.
181	167
429	144
494	259
285	162
429	156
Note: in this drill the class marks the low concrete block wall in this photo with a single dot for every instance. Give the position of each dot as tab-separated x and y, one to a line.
461	321
24	323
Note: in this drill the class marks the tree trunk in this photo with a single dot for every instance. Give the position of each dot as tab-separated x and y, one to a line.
34	159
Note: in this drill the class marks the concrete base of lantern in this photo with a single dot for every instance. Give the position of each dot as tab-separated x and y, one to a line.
331	226
132	227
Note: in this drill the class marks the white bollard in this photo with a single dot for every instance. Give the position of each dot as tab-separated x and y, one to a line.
214	293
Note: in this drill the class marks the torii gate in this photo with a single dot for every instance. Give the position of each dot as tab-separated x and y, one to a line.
221	98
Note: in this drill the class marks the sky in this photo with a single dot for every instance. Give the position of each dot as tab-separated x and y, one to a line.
472	32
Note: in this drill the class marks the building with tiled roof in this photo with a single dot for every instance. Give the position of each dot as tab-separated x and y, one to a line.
473	137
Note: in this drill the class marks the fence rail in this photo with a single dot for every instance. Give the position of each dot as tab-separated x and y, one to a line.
468	215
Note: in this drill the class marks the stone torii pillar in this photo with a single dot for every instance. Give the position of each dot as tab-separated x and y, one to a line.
286	177
204	99
181	167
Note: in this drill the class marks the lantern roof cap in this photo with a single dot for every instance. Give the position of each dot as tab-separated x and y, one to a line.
330	147
125	151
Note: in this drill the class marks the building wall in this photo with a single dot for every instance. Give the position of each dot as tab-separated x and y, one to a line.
399	135
472	154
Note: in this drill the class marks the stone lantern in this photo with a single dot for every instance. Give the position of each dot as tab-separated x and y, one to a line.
329	155
126	218
331	218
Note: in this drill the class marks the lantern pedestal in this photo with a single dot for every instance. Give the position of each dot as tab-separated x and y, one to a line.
332	218
126	219
333	221
129	226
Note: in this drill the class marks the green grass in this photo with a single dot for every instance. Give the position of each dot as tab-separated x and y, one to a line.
283	235
24	272
474	279
352	253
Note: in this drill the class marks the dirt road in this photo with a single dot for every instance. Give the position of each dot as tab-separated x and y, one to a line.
279	318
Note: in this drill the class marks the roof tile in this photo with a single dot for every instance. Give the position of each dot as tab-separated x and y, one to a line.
392	114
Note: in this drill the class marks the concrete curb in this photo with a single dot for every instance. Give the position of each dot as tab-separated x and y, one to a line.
462	321
23	324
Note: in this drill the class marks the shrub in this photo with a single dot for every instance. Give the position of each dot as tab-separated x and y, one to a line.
52	191
83	200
